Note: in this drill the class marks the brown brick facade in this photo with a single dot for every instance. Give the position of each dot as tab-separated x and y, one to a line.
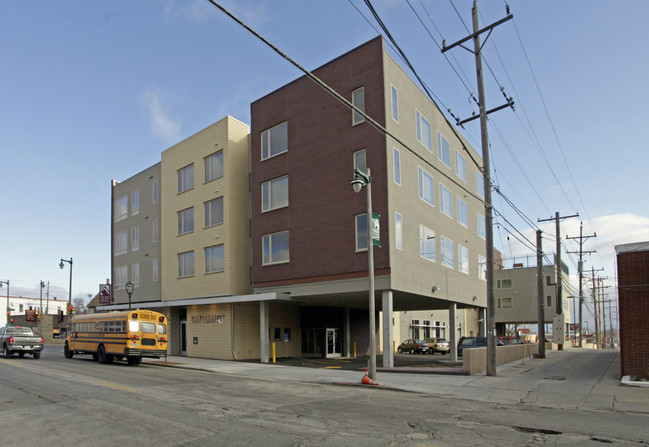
633	292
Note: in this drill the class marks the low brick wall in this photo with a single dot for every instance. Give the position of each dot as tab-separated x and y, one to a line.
475	360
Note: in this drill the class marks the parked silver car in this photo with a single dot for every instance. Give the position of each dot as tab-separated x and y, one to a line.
440	345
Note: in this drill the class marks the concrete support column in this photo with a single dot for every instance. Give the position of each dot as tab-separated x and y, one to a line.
347	335
452	322
263	331
388	352
482	317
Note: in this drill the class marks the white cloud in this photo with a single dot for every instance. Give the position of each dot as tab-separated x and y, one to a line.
162	124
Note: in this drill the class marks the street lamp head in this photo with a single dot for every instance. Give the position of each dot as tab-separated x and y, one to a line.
61	265
357	184
129	287
360	180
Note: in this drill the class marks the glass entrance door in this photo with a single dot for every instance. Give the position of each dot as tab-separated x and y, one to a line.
183	337
334	342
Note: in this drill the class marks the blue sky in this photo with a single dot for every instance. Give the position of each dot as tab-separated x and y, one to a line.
94	91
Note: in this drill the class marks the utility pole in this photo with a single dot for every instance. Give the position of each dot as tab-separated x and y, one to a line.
486	171
596	307
539	291
559	298
582	239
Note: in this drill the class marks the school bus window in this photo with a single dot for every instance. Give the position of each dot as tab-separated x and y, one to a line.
162	329
148	328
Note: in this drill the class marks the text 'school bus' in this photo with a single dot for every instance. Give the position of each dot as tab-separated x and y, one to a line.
129	335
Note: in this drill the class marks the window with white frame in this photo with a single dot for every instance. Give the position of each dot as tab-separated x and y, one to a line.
445	200
482	229
186	178
213	166
135	202
427	243
426	187
397	165
214	259
274	194
505	303
360	160
462	217
358	100
156	230
155	270
424	131
121	208
186	264
214	212
447	252
463	259
135	238
479	184
135	274
155	192
482	267
504	283
395	104
398	231
443	150
121	242
121	275
460	165
275	248
361	232
548	301
274	141
186	221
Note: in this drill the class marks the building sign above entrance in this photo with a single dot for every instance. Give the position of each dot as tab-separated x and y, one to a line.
213	318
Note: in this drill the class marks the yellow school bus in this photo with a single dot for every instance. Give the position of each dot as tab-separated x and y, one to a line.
129	335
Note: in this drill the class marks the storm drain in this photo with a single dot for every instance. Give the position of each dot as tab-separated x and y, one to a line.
545	431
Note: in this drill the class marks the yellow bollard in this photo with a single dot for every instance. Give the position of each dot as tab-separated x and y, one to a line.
273	352
394	346
354	349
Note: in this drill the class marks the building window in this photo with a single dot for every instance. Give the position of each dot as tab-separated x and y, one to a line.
460	165
121	242
548	300
426	187
548	281
395	104
186	264
121	275
443	150
504	303
358	100
214	259
274	141
186	221
424	131
274	194
360	160
155	270
186	178
156	230
214	212
479	184
463	259
361	232
462	217
447	252
445	200
135	274
121	208
275	248
155	192
398	231
482	267
135	202
482	231
213	166
427	243
504	283
397	165
135	238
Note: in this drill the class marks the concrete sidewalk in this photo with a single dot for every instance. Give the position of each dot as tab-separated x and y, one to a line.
571	379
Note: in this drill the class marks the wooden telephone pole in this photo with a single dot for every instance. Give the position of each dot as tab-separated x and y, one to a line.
581	252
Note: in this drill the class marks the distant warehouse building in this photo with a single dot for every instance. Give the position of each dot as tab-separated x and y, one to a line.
633	296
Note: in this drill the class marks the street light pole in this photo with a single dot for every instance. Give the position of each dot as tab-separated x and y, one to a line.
61	265
365	180
129	290
7	283
40	310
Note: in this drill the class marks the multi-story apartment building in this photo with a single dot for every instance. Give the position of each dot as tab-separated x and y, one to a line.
309	227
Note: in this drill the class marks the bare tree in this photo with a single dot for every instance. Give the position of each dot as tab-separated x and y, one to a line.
79	304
